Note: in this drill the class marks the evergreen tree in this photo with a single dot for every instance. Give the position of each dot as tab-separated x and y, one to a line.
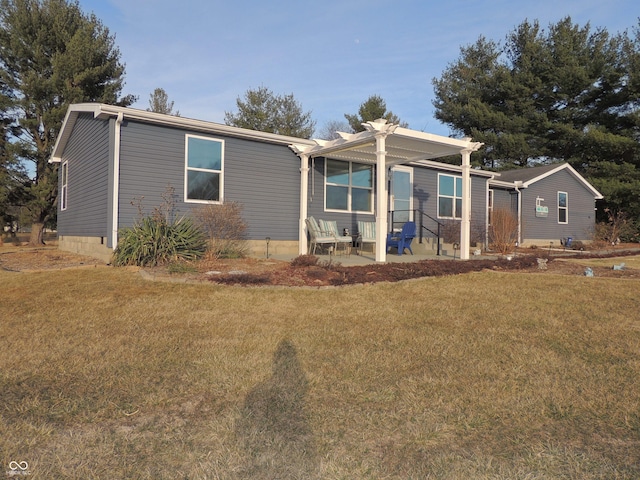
264	111
159	103
13	178
566	94
52	55
372	109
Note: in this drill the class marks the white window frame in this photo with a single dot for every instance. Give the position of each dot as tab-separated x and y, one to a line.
349	187
409	170
65	185
565	208
456	215
188	169
490	205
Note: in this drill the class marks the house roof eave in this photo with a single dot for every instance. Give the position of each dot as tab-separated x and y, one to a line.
453	168
565	166
104	111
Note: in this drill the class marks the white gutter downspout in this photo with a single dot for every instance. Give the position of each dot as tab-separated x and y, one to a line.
517	185
116	182
486	217
304	193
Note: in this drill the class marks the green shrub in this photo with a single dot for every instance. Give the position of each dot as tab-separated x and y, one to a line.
156	241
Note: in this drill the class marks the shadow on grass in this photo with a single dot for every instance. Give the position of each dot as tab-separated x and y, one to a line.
273	428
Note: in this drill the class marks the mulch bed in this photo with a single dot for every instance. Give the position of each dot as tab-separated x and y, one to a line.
305	272
309	271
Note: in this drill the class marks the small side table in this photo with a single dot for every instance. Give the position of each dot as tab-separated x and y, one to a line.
357	242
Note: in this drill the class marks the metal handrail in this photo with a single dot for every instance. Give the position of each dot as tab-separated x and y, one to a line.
420	224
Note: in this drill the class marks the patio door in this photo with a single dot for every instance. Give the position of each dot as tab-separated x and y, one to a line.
401	195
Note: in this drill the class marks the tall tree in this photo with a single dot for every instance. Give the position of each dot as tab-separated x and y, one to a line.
569	94
52	55
265	111
330	129
159	103
13	177
372	109
564	94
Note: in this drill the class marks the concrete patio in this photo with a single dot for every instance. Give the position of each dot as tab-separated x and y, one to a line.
368	257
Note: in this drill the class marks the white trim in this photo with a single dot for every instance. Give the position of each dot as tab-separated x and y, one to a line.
572	171
64	187
448	167
381	193
490	199
402	145
349	187
500	183
187	169
404	169
565	208
116	181
465	225
304	193
454	197
517	189
104	111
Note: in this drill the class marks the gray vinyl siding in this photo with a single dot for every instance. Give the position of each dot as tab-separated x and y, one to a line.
315	204
581	203
151	162
425	188
263	178
87	154
505	199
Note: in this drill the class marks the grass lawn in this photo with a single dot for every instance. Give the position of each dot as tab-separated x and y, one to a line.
629	262
485	375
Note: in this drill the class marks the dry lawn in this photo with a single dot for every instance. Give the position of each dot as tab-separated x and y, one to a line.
486	375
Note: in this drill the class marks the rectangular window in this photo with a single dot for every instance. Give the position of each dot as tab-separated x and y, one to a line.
348	186
204	162
65	183
449	196
563	208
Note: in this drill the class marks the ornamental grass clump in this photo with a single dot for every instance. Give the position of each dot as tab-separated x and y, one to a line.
155	241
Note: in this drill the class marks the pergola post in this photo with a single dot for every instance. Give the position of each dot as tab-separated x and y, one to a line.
381	198
465	225
304	193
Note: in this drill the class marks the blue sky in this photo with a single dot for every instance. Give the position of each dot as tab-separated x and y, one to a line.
331	54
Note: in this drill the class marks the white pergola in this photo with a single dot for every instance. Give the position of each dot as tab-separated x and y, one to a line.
384	145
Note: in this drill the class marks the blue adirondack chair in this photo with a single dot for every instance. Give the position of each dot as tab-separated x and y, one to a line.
403	239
